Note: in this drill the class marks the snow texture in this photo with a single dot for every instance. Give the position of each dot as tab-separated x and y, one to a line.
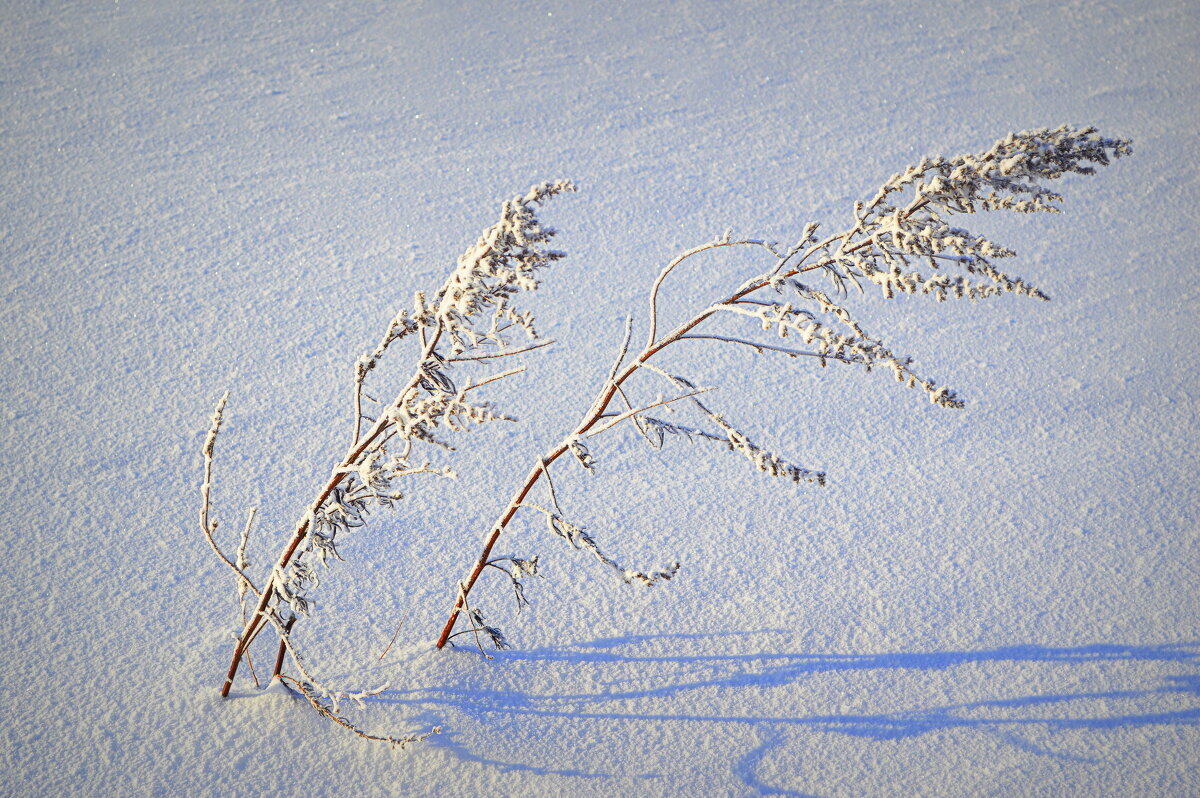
198	197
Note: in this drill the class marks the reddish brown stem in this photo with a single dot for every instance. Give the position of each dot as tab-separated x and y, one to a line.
257	619
600	409
615	385
493	536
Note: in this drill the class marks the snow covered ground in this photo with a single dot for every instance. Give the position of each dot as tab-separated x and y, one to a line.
200	196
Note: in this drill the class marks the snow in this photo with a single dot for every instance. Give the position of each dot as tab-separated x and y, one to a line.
201	197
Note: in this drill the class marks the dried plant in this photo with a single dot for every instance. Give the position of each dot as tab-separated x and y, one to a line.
470	320
902	229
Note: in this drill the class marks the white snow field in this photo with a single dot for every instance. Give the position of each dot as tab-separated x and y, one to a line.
1000	600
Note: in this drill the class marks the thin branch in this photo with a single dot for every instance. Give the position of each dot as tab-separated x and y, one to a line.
470	618
752	302
539	508
550	486
506	353
761	347
326	712
493	378
721	242
243	563
206	526
805	238
782	311
394	636
460	633
637	422
285	642
612	373
579	538
253	675
631	413
360	374
492	564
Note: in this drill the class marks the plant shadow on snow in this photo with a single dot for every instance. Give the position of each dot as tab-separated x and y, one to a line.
674	686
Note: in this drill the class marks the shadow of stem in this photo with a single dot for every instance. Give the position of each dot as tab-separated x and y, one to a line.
682	673
654	681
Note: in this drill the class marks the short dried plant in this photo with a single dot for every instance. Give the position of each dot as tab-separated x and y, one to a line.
470	323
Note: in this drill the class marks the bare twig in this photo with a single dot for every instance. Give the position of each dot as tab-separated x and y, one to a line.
360	373
720	242
612	373
395	635
550	486
511	372
474	627
761	347
615	420
243	563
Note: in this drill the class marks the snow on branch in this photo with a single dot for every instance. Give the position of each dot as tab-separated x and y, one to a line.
902	240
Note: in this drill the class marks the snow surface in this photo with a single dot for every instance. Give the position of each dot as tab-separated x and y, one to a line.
201	196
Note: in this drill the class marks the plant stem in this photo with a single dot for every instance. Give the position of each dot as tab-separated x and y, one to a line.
255	623
600	407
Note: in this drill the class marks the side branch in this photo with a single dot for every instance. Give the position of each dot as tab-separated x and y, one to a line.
724	241
760	347
506	353
615	420
207	526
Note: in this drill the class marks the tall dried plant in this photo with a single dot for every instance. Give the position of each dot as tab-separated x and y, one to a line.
469	320
899	231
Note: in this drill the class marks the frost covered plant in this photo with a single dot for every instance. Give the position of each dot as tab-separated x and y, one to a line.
899	241
471	319
899	231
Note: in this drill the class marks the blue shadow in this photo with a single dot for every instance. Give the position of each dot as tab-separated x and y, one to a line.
678	674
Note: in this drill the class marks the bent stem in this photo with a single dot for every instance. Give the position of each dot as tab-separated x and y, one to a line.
501	264
785	268
612	388
340	472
